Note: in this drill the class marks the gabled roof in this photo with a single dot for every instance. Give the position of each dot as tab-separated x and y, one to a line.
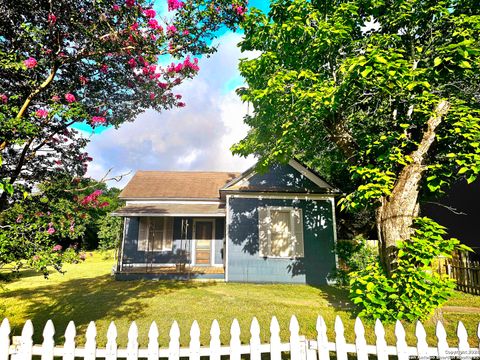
176	185
293	177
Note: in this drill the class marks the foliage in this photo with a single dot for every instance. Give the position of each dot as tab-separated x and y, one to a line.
414	290
353	255
66	62
109	232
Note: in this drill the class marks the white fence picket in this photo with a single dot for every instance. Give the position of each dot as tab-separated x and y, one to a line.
91	342
402	347
463	346
295	351
275	352
255	353
48	343
195	341
215	341
132	346
340	344
174	345
380	344
26	342
422	346
442	344
69	344
153	346
360	342
235	344
322	340
111	352
4	339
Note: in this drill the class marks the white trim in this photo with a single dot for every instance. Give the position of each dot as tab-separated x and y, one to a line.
334	221
166	215
309	175
212	242
153	198
295	196
120	258
227	224
180	202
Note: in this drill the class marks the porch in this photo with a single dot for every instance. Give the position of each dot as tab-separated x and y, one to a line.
161	272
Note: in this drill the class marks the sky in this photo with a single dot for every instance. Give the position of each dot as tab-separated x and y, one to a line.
197	137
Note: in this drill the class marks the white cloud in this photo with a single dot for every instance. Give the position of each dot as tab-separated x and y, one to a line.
197	137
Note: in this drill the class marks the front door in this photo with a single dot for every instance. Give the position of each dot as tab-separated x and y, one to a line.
203	241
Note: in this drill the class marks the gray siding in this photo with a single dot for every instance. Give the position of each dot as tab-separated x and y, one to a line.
131	242
244	261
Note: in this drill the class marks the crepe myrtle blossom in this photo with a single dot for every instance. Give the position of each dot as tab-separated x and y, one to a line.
52	19
30	63
55	98
98	120
41	113
116	7
70	98
240	10
153	24
91	199
57	247
3	98
51	230
171	29
132	63
104	68
174	4
83	80
130	3
150	13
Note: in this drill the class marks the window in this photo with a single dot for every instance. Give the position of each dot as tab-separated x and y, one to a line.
280	232
155	234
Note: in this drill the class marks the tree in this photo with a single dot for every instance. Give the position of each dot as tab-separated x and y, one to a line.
101	62
386	90
64	62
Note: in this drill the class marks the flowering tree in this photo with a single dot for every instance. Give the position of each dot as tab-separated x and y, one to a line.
101	62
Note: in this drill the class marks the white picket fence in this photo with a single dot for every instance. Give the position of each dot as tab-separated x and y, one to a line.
298	347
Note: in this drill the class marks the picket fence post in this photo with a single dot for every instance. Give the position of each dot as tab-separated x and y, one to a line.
255	340
153	347
132	345
402	346
26	342
195	341
322	340
69	344
463	346
340	339
235	343
360	342
381	344
442	344
4	339
422	346
174	345
111	353
91	342
215	341
294	339
275	353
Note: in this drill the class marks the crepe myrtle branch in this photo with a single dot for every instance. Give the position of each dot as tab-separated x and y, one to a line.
104	179
449	208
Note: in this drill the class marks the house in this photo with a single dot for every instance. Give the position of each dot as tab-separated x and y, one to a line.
277	226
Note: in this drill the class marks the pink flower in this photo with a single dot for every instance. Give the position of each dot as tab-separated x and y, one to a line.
104	68
150	13
98	120
52	19
130	3
240	10
57	247
83	80
36	258
116	7
132	63
162	85
58	162
171	29
186	32
178	96
19	219
189	65
51	230
3	98
41	113
30	63
134	26
70	98
152	96
152	23
181	104
55	98
174	5
104	204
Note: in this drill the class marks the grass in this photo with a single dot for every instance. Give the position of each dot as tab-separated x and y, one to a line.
87	292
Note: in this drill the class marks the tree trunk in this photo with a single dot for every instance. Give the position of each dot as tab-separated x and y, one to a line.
396	213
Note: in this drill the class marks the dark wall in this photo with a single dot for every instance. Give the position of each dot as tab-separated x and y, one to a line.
244	261
131	241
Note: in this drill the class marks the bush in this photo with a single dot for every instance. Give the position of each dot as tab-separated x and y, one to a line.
413	291
109	232
353	255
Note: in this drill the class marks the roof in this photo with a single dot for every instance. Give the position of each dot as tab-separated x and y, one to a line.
171	210
176	185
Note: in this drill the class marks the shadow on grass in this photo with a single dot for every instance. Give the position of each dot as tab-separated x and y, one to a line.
91	299
338	299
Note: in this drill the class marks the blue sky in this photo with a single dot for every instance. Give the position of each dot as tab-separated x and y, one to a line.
196	137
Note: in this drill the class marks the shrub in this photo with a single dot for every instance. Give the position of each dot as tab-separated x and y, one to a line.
413	291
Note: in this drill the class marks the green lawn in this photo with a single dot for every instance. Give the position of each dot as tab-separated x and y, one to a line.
87	292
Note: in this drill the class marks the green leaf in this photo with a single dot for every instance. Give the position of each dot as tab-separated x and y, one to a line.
437	61
367	71
465	64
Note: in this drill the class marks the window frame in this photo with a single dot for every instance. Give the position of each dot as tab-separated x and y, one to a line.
291	210
164	240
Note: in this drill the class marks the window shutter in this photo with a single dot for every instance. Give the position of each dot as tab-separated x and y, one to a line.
168	234
263	226
298	233
142	234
